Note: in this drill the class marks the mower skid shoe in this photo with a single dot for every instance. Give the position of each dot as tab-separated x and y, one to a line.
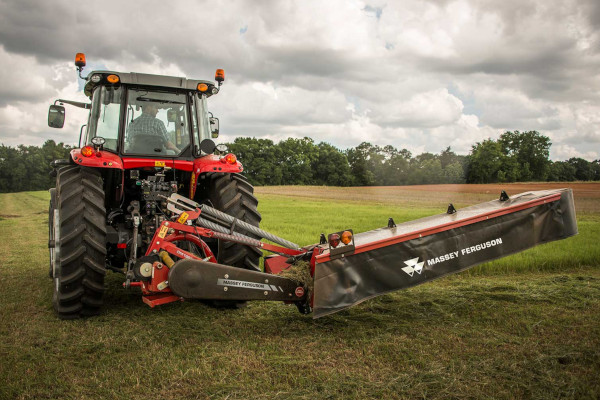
398	257
202	280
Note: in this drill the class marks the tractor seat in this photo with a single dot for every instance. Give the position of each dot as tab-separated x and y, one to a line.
149	144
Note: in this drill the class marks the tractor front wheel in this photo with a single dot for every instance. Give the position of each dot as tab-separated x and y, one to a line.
79	233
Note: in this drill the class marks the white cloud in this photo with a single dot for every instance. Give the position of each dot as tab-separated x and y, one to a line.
22	78
421	75
428	109
564	152
587	123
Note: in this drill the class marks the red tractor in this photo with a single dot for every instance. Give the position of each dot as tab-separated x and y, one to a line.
146	137
148	194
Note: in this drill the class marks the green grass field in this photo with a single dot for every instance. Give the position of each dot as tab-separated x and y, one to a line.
527	326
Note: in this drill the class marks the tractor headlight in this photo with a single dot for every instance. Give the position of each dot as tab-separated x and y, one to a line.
96	78
98	142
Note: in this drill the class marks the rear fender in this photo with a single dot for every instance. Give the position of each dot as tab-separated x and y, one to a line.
112	171
101	159
211	163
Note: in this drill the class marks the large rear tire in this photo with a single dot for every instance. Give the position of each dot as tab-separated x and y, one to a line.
234	195
51	246
80	249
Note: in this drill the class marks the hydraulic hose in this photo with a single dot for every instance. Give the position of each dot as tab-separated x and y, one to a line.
177	202
231	220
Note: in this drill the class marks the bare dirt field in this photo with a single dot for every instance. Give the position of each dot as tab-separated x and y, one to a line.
587	195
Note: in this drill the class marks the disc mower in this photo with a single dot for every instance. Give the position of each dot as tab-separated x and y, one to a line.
149	195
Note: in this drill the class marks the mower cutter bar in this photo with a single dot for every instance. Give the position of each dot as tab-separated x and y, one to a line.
397	257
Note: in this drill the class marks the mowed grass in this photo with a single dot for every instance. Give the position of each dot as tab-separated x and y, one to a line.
527	326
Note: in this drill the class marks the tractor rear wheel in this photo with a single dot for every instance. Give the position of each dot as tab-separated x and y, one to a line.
79	235
234	195
51	208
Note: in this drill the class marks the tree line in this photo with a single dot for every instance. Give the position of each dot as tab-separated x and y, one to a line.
27	168
514	157
522	157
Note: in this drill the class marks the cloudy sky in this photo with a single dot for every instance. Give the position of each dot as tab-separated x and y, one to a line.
421	75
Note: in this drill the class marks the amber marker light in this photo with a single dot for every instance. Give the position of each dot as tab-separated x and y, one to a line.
112	79
346	237
334	240
230	158
203	87
87	151
220	75
80	60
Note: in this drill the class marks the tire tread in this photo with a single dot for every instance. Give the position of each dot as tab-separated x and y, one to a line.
80	200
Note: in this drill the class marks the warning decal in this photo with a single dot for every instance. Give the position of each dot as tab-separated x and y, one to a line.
183	217
163	232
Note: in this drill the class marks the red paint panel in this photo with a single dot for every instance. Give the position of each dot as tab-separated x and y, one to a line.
135	162
159	299
212	163
105	159
101	159
274	265
158	276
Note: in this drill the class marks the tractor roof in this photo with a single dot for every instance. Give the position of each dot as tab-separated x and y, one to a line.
135	78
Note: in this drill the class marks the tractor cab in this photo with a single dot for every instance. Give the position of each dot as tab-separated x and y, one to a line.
143	115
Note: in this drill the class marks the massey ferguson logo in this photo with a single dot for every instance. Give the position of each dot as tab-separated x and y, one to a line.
413	266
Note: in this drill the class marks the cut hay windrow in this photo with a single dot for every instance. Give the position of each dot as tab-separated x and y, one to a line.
300	272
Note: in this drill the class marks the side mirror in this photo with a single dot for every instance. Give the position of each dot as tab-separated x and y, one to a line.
56	116
172	115
214	127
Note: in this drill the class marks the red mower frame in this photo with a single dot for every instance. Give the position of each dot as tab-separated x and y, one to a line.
156	291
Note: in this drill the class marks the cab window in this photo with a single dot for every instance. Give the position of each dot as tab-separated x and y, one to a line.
104	116
156	123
